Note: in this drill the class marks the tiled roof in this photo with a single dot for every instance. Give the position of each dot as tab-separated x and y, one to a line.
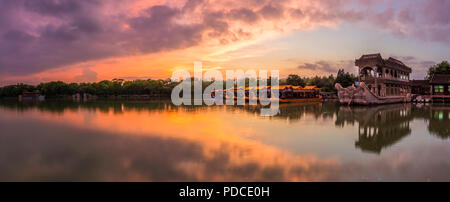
440	79
397	64
391	59
371	56
376	59
419	82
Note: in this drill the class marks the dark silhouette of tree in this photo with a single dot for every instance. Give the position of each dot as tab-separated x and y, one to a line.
15	90
295	80
156	88
441	68
344	78
325	83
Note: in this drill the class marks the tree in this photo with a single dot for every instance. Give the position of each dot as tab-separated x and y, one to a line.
441	68
15	90
295	80
56	88
326	84
344	78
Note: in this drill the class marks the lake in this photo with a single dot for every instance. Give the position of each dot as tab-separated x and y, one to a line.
157	141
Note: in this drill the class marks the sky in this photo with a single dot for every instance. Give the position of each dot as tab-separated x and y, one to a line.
93	40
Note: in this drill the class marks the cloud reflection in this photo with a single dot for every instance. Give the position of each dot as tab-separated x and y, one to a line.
48	152
44	146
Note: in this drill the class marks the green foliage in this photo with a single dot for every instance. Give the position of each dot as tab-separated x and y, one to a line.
57	88
103	88
156	88
441	68
345	79
325	83
121	87
15	90
295	80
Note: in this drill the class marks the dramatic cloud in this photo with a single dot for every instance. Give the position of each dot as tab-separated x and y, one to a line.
87	76
328	66
67	32
37	35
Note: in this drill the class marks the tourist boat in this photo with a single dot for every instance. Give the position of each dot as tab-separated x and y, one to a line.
380	82
34	96
287	93
294	94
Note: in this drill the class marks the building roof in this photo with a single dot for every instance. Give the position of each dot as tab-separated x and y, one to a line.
311	88
376	60
420	82
31	93
369	60
282	87
397	64
440	79
371	56
391	59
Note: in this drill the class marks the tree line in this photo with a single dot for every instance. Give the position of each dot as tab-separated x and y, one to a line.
163	88
102	88
325	83
441	68
155	88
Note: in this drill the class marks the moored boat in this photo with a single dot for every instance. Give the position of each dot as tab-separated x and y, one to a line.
296	94
380	82
287	93
362	95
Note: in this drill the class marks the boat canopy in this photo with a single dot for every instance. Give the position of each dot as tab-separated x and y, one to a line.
280	87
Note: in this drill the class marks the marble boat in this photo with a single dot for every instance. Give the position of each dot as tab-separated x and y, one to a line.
381	81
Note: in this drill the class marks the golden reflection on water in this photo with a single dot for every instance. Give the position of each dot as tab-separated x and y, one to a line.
156	141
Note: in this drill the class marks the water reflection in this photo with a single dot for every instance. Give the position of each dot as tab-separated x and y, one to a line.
156	141
378	126
439	121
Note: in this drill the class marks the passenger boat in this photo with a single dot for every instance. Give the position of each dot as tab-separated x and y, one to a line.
33	96
295	94
380	81
287	93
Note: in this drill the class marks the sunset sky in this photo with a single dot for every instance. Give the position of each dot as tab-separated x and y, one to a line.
93	40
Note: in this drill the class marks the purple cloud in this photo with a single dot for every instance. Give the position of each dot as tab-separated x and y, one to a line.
37	35
86	76
328	66
244	14
67	32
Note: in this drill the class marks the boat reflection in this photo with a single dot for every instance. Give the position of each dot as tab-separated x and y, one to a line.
439	121
157	141
378	126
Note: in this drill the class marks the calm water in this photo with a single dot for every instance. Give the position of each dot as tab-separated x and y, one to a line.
156	141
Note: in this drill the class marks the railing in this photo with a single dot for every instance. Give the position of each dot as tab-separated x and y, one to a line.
367	78
395	79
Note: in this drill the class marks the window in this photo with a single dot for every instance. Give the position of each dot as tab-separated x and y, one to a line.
438	88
